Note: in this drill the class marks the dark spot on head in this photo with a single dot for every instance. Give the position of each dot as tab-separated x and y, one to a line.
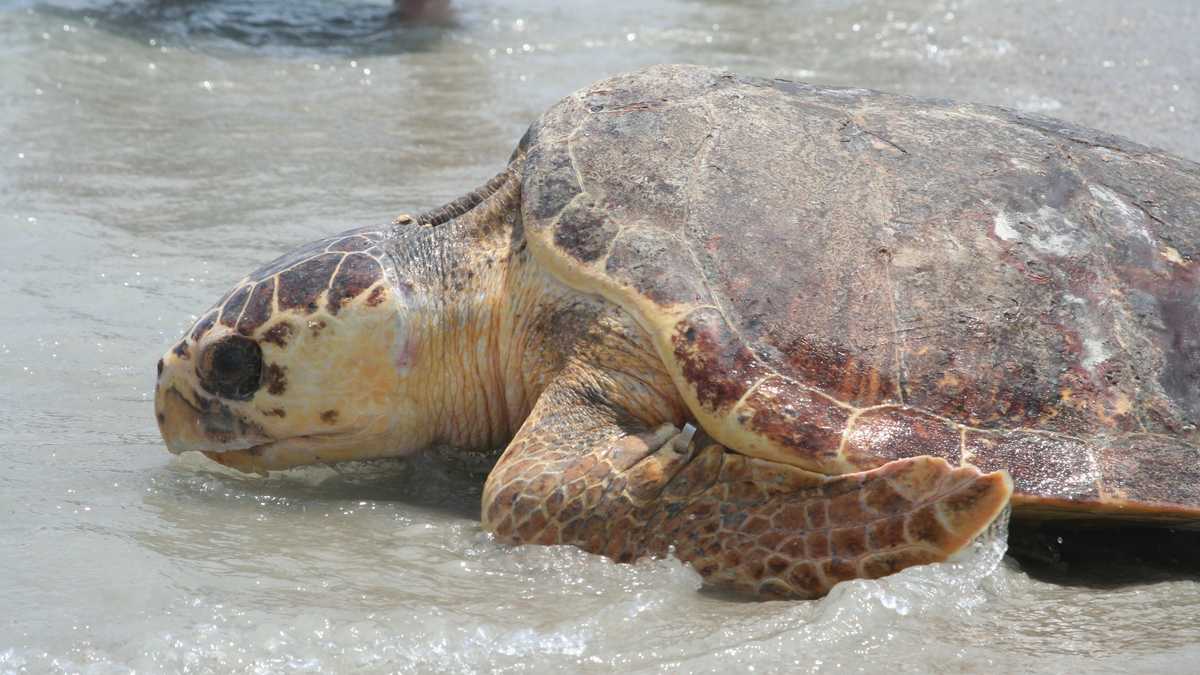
355	275
300	286
162	419
278	334
329	416
275	412
233	306
274	378
203	325
377	296
181	350
258	308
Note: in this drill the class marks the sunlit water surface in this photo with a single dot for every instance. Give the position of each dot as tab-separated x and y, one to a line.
153	152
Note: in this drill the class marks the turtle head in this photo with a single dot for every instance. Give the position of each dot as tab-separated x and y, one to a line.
304	361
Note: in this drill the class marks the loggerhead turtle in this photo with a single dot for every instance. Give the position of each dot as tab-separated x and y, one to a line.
875	310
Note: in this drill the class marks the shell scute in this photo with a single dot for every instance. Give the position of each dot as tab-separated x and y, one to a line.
718	366
1040	464
655	267
795	417
885	434
554	185
584	231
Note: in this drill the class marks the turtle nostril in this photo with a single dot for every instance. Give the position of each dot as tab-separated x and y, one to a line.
160	367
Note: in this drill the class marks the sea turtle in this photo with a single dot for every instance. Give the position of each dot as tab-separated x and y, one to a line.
870	310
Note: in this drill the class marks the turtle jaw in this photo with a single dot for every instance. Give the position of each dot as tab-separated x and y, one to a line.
297	451
211	428
203	425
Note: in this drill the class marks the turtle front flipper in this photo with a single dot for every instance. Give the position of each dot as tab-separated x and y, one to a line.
583	471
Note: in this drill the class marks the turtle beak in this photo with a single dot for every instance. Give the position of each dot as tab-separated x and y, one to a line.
190	421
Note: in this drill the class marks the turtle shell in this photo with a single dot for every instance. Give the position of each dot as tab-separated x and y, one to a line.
840	277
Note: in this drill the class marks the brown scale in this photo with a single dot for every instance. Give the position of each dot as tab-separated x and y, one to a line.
233	306
797	418
275	379
302	284
357	273
279	334
258	307
743	523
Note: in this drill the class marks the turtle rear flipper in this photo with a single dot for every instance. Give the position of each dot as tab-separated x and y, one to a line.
584	472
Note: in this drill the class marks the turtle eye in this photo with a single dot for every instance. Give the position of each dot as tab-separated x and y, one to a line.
232	368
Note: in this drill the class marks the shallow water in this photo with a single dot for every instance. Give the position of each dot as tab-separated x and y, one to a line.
153	152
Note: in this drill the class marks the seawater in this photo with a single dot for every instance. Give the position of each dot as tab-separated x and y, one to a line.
153	152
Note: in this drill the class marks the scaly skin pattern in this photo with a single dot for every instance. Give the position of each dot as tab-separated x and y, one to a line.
580	473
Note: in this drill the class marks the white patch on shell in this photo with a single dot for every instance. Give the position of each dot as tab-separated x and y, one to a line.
1004	228
1047	231
1095	349
1094	353
1171	254
1134	217
1023	165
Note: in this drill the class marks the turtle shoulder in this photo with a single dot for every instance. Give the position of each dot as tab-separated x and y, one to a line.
803	253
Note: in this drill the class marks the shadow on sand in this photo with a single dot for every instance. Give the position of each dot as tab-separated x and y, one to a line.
1105	556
